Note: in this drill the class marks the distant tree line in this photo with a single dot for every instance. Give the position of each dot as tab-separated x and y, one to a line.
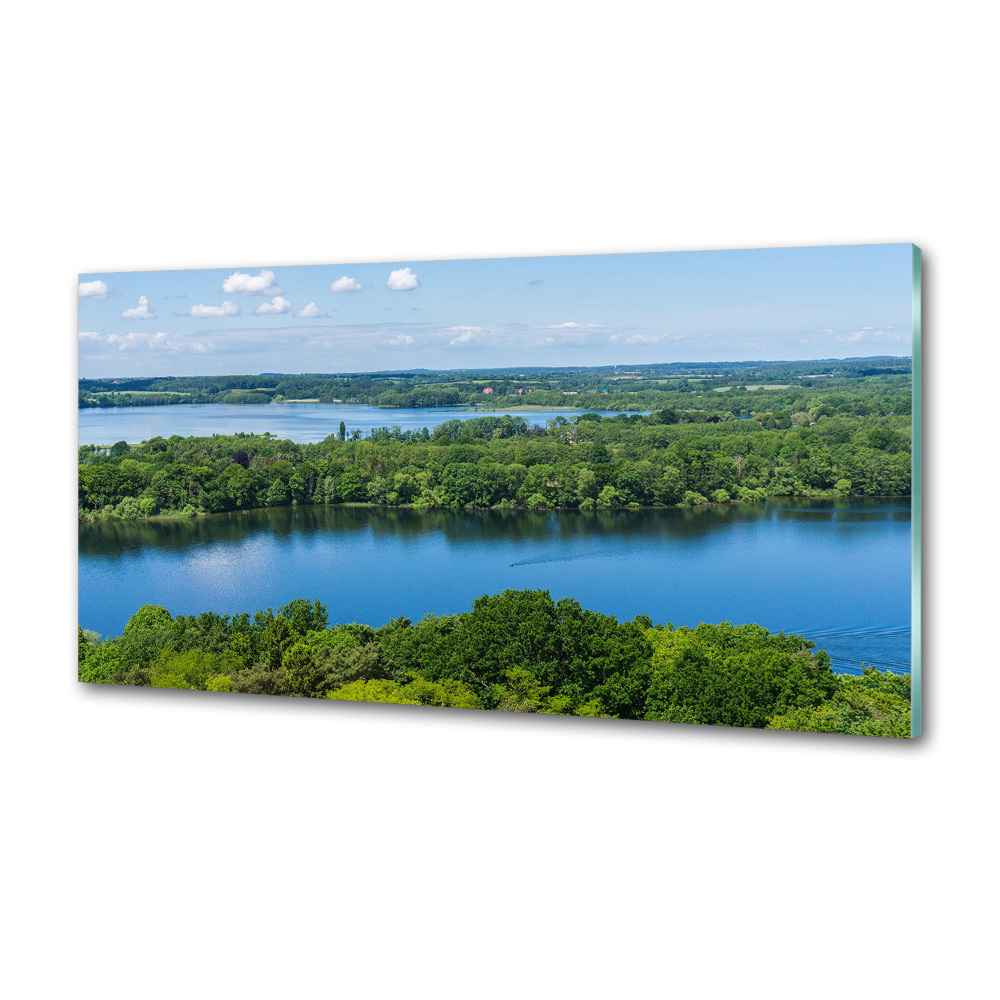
640	387
519	651
844	444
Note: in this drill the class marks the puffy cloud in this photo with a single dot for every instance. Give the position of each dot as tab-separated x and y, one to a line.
401	340
464	333
277	305
226	309
93	290
402	280
251	284
131	341
310	311
89	335
569	326
141	311
346	284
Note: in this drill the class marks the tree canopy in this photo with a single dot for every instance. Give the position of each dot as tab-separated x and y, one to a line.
517	651
852	440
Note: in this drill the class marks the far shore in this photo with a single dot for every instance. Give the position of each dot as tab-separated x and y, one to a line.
526	409
178	516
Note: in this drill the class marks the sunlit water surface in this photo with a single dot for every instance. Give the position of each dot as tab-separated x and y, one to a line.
837	572
301	422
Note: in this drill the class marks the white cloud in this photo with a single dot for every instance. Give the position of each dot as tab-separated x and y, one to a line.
93	290
141	311
401	340
636	338
310	311
402	280
145	341
346	284
868	333
570	326
131	341
275	306
251	284
226	309
464	333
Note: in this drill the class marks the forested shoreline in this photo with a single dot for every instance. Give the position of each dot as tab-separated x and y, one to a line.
711	434
518	651
845	440
637	387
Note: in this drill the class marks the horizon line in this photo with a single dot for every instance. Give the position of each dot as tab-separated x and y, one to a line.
532	367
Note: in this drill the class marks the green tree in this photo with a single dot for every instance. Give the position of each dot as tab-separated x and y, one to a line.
608	497
302	677
189	669
275	639
874	704
443	693
102	663
277	494
340	665
586	484
304	616
733	675
150	630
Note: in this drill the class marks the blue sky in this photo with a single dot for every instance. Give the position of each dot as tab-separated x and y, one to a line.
711	305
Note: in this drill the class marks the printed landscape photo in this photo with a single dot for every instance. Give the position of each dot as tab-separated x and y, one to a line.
674	487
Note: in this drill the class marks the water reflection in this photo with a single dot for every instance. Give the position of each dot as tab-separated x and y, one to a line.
118	539
837	571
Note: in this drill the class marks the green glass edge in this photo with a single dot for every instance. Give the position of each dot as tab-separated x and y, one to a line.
916	525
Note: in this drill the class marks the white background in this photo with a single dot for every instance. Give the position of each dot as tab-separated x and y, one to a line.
163	845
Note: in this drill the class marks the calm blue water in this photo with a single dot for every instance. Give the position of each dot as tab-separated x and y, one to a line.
301	422
837	572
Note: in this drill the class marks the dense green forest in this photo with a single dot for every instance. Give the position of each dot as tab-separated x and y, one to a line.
518	651
838	440
638	387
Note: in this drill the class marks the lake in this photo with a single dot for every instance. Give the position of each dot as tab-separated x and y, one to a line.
300	422
837	572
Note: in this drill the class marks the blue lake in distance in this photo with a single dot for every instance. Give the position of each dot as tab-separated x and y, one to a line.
299	422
